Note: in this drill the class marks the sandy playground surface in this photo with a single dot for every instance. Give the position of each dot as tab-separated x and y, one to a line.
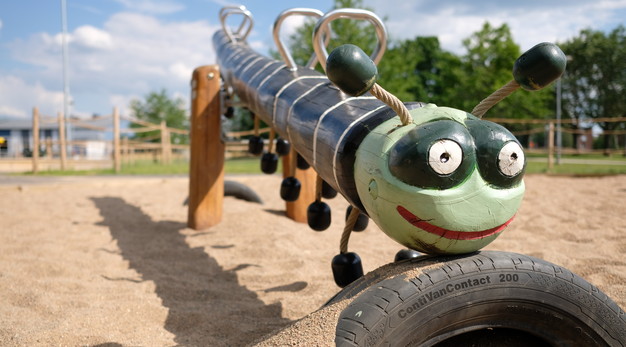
109	260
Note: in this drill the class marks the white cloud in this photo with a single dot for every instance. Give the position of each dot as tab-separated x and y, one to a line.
291	24
181	70
122	102
132	54
152	6
530	23
17	98
91	37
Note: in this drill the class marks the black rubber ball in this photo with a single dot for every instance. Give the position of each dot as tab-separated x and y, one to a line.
328	192
290	189
269	163
347	267
405	254
282	147
255	145
318	216
301	163
230	112
361	222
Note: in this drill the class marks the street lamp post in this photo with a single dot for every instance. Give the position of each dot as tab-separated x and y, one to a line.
66	84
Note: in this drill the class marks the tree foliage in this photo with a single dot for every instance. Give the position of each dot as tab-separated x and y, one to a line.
419	70
360	33
594	84
157	107
487	66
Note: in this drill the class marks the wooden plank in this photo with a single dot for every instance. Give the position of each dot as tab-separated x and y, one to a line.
206	167
296	210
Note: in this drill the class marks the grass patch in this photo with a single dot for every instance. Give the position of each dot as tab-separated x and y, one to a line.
597	156
148	167
576	169
537	164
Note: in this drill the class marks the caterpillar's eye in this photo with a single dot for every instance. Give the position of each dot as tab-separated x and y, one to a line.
500	157
445	156
511	159
434	155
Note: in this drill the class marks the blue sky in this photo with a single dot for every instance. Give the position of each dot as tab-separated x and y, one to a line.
123	49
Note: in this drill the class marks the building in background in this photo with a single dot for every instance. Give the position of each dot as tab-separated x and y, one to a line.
17	139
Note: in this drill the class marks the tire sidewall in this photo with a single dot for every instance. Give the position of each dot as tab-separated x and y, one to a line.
484	290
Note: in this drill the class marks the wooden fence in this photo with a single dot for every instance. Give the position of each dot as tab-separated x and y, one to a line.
126	150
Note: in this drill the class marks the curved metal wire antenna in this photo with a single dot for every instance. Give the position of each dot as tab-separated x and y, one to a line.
284	53
322	27
244	28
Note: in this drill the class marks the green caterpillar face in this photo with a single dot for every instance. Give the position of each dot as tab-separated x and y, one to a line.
450	183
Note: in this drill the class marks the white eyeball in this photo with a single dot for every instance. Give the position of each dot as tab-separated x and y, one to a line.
445	156
511	159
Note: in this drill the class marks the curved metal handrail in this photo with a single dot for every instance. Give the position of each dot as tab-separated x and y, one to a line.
322	26
284	53
246	23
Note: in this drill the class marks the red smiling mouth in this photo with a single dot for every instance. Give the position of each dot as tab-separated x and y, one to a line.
449	234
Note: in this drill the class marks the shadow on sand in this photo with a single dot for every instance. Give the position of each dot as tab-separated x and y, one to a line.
207	305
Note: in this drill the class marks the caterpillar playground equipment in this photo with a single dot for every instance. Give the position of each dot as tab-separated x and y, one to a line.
442	182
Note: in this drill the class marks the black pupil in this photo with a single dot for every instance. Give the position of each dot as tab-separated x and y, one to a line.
444	157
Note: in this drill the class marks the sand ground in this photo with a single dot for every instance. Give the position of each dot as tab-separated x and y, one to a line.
109	260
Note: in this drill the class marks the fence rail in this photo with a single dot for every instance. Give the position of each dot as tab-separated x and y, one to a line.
159	147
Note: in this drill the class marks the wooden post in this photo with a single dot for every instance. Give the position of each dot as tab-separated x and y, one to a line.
48	147
62	144
125	152
166	148
116	141
206	167
296	210
35	151
550	146
131	153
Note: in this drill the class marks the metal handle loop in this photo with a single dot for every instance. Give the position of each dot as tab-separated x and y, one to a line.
322	26
244	27
284	53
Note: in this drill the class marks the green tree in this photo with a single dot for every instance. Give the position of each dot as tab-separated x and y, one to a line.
157	107
594	84
360	33
487	65
419	70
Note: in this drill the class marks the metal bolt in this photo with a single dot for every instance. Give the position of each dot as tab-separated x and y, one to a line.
210	75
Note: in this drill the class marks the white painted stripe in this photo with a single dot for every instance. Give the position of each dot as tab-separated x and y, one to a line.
250	65
319	121
345	132
295	102
249	82
283	88
247	59
259	72
270	75
265	80
233	53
